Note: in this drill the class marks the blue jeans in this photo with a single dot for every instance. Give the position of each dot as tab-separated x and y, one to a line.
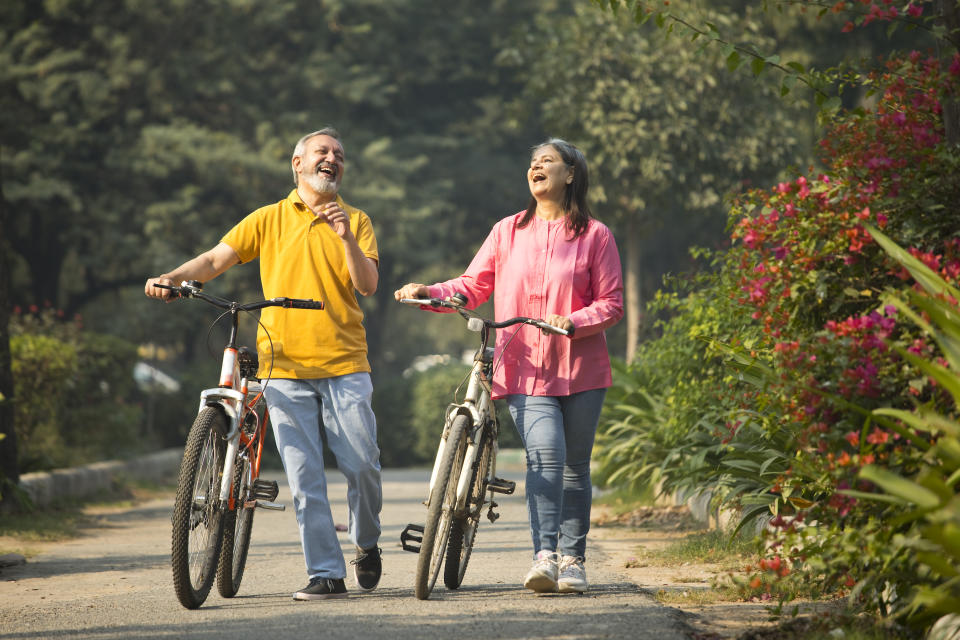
351	431
557	434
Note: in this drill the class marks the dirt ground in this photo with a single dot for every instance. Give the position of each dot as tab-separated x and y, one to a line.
626	537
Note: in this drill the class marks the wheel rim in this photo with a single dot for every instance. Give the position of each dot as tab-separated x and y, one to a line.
205	490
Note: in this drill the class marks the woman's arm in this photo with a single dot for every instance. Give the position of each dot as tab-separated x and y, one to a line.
606	282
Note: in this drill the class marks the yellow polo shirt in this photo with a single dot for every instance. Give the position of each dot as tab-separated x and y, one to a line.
302	257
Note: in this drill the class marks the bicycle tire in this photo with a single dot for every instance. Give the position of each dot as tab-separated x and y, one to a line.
463	532
237	525
436	530
197	521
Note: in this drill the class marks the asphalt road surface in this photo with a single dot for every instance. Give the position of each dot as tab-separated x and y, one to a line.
115	582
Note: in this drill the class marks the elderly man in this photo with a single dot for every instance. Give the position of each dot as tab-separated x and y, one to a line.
314	245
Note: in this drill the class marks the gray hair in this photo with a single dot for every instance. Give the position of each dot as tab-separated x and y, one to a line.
301	143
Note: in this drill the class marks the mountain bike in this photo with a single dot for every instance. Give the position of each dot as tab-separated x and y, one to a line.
464	470
219	485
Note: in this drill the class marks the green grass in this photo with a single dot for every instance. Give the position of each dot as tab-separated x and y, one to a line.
703	547
622	501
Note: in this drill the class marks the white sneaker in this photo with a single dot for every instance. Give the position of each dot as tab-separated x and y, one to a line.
573	577
542	576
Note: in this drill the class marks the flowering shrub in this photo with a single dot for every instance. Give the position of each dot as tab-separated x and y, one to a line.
817	355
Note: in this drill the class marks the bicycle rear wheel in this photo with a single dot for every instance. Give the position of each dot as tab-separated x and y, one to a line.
237	524
197	518
463	531
443	499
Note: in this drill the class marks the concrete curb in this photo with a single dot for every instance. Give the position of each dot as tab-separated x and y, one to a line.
45	487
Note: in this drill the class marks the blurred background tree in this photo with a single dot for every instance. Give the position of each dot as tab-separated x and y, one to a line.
133	135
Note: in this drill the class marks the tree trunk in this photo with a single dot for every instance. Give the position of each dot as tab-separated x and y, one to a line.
633	299
9	468
948	14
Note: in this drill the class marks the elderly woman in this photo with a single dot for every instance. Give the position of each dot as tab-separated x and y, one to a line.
554	261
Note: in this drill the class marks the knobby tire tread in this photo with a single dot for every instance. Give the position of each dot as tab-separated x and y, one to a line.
463	530
195	455
427	567
237	525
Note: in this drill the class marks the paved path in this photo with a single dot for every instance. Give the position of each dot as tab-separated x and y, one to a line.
115	582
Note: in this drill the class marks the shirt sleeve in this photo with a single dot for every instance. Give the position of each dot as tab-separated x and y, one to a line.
366	238
245	237
478	280
606	282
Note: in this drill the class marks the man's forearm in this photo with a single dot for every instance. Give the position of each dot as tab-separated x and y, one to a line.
206	266
363	270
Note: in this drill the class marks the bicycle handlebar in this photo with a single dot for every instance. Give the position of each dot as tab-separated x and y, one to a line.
447	304
190	290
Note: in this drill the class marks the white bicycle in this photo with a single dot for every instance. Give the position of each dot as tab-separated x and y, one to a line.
464	472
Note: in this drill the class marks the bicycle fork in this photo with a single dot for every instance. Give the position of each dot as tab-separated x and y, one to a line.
232	404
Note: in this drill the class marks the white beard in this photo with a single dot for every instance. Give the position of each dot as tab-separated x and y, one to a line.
320	183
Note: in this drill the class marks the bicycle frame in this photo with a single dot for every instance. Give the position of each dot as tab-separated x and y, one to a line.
231	396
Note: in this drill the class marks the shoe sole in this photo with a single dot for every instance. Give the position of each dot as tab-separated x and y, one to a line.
540	584
318	596
571	588
356	580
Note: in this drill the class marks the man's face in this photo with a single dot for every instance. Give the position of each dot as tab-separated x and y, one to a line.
321	165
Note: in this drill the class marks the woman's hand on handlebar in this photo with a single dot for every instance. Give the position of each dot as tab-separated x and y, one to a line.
157	292
411	290
561	322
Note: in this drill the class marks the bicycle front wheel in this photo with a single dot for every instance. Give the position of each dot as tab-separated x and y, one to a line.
443	499
463	531
197	519
237	524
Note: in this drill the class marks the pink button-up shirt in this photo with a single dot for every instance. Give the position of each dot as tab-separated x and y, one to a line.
536	271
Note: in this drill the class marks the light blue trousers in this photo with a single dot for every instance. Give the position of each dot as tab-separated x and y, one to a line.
558	434
351	433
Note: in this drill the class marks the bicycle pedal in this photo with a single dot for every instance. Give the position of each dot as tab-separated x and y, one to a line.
265	490
264	504
499	485
408	535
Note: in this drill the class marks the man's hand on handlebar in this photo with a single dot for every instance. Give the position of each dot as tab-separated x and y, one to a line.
411	290
558	321
157	292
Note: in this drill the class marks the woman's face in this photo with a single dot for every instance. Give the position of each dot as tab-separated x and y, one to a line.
548	176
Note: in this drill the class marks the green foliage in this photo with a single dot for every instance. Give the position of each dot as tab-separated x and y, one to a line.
43	369
832	389
74	396
432	391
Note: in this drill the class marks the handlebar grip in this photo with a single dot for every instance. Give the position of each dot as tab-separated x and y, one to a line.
175	292
551	329
305	304
430	302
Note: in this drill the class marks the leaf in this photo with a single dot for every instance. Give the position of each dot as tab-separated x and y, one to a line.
924	275
900	487
757	65
734	61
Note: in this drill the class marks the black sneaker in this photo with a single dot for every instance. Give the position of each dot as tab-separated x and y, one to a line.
367	568
321	589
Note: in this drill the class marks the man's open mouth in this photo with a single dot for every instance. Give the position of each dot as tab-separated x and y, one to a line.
328	170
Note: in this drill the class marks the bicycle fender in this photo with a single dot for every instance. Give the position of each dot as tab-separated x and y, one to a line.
454	410
229	401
